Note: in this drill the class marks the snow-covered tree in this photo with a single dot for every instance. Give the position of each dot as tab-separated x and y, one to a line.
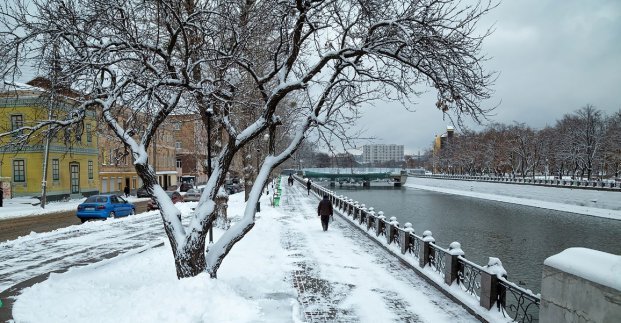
237	63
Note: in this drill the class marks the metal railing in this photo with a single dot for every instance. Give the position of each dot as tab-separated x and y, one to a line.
607	185
450	265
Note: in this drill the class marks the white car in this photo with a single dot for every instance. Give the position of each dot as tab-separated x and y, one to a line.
193	195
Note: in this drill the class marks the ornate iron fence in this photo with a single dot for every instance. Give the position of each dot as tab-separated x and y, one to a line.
521	304
469	277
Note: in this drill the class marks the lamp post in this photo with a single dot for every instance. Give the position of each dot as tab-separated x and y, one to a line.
255	179
266	139
209	113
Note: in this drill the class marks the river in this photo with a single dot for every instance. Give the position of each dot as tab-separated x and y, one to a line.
521	236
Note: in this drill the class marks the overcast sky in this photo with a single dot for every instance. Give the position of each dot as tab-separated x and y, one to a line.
553	57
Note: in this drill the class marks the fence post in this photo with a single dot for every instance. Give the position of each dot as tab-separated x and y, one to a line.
405	236
451	268
490	289
357	207
361	214
350	212
425	250
364	214
379	223
390	229
372	214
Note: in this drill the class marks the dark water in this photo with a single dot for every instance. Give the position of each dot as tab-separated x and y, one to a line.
521	236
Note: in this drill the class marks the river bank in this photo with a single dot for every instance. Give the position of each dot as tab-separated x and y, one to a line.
594	203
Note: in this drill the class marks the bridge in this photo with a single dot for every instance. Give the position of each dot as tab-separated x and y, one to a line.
366	177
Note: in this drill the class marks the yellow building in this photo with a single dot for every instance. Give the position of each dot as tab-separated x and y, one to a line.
72	165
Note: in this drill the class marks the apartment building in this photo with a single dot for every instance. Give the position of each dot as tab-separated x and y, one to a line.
379	153
116	164
190	147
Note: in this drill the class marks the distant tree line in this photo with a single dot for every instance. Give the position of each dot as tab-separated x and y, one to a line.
582	144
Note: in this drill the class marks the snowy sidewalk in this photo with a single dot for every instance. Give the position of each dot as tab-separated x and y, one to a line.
286	269
342	276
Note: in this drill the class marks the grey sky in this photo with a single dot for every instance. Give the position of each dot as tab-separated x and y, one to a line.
553	56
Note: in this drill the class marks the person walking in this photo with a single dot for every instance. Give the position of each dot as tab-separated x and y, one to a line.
1	195
290	179
126	191
324	210
308	186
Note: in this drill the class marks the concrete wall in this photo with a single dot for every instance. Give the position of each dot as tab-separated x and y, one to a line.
577	297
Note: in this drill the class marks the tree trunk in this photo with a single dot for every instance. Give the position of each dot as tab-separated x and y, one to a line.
191	260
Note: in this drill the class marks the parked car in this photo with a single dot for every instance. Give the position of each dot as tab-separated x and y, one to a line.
174	196
232	187
185	187
142	192
103	207
193	195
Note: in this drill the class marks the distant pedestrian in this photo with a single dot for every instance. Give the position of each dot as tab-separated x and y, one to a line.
324	210
308	186
126	191
1	196
290	180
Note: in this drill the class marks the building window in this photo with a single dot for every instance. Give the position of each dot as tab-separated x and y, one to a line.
90	169
89	135
178	163
19	171
17	121
177	125
55	169
178	144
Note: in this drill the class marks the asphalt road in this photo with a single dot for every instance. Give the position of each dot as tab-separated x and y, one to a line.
16	227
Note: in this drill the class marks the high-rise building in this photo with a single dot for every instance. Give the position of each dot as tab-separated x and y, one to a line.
379	153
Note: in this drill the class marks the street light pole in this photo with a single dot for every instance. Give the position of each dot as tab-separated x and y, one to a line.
209	112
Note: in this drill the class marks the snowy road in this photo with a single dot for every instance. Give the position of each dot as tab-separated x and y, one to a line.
77	245
341	269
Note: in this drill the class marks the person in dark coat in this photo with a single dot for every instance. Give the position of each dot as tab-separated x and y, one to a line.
308	186
1	196
126	191
290	179
324	210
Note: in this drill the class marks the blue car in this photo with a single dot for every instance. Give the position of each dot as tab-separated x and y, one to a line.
103	207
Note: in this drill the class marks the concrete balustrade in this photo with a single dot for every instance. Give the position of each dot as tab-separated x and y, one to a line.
581	285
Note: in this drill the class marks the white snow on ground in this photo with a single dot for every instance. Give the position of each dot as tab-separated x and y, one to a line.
254	283
604	204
